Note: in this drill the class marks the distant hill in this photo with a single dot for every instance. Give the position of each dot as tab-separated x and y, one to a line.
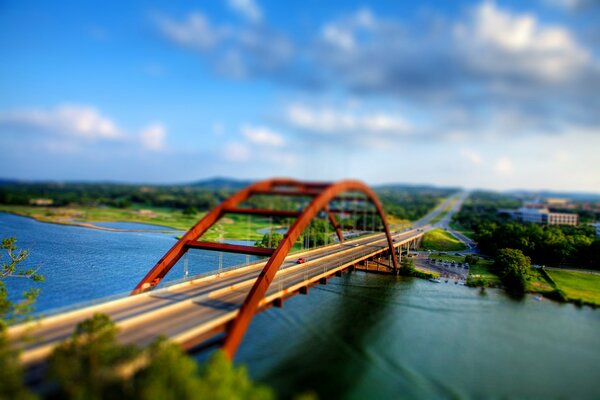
574	196
220	183
419	187
8	182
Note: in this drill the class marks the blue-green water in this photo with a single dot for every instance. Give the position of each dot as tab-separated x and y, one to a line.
362	336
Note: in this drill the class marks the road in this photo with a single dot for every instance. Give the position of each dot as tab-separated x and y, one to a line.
193	311
188	311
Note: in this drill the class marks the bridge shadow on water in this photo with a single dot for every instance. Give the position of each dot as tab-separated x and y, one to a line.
330	343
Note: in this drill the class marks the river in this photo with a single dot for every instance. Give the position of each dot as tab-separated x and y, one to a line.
362	336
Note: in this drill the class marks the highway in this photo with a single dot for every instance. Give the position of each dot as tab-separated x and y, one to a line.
196	310
186	312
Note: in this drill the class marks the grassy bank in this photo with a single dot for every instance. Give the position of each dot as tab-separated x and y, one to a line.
579	287
440	240
481	275
232	227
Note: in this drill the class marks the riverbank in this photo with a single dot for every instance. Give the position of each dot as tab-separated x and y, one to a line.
565	286
231	228
441	240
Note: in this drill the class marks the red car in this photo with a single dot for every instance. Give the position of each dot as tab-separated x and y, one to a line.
301	260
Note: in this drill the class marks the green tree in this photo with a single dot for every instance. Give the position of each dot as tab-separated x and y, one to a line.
220	379
11	381
89	365
170	374
471	259
269	240
92	364
190	211
513	268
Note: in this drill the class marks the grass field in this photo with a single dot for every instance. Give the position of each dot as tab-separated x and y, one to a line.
232	227
440	240
537	283
578	286
481	274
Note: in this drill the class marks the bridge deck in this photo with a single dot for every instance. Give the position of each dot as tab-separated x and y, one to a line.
196	310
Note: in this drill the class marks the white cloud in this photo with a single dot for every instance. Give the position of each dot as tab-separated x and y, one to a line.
236	151
67	128
471	155
262	135
153	137
499	41
337	36
573	5
235	51
342	33
247	9
332	121
194	32
73	120
503	166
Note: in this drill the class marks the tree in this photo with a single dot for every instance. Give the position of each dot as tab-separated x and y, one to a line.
471	259
88	365
513	268
170	374
11	382
190	211
269	240
92	364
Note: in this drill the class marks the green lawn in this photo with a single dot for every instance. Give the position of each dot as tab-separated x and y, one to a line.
537	283
481	274
231	227
440	240
576	285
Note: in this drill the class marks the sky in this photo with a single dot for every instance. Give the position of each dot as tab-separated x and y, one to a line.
484	94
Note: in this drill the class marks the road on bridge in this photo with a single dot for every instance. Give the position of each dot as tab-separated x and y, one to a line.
196	310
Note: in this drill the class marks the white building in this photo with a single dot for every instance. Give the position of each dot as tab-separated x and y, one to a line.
562	219
541	215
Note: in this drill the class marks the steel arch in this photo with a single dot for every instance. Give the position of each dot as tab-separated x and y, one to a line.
322	194
164	265
239	325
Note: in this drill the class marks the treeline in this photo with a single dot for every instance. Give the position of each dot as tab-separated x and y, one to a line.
546	245
112	195
402	202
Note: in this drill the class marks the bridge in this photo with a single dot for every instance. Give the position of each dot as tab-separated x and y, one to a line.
219	307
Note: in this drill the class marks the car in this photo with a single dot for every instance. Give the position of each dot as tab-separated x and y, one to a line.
301	260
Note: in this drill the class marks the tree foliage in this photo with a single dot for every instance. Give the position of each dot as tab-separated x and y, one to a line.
513	268
88	365
269	240
548	245
471	259
92	364
11	381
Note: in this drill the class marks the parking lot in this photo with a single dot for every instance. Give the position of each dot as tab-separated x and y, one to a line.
446	269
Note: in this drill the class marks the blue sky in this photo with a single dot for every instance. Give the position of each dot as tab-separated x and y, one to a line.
487	94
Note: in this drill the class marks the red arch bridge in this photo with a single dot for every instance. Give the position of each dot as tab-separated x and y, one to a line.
217	308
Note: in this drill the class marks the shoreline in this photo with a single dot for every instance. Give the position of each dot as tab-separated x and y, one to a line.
90	225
